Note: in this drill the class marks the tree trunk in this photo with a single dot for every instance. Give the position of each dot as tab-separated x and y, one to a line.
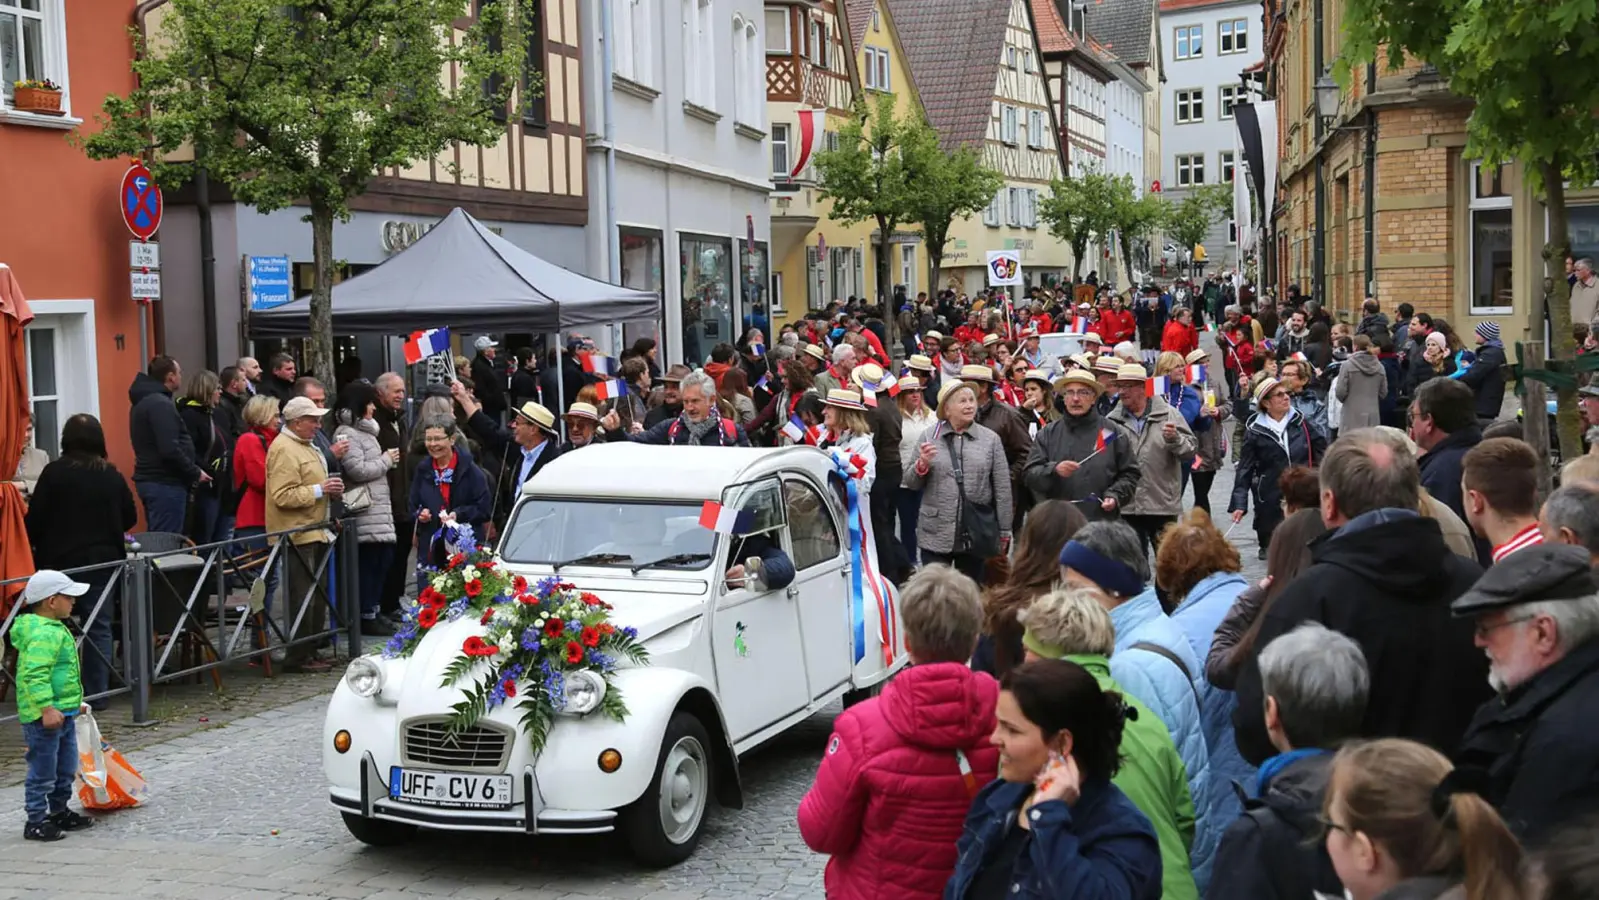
1557	302
1127	260
320	345
935	267
1079	249
885	291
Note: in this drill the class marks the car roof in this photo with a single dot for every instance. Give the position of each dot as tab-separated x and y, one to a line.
646	471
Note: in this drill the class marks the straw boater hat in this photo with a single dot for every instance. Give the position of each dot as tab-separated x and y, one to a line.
910	383
816	351
920	362
932	336
581	410
1092	337
1265	387
870	375
984	374
539	416
1131	372
844	398
1082	360
1108	365
1196	356
990	339
1040	376
949	387
1086	379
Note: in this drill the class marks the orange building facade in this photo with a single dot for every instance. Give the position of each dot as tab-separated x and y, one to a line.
60	229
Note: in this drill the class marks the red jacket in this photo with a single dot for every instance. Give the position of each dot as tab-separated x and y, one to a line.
889	800
1179	338
878	355
1116	326
249	476
1237	353
968	333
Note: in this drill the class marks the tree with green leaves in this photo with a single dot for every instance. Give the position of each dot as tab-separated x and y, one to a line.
305	101
1532	71
876	173
1080	209
1138	220
1188	220
953	186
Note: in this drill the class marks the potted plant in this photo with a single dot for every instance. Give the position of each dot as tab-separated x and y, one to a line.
41	96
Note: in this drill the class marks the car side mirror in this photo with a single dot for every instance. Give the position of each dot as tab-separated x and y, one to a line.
755	575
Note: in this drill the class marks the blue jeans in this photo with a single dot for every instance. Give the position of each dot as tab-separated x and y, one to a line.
95	654
52	763
208	520
372	567
253	538
910	512
166	506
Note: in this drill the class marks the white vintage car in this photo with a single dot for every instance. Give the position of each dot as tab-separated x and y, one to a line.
732	664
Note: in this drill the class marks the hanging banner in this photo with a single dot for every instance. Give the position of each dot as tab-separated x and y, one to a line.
812	125
1004	267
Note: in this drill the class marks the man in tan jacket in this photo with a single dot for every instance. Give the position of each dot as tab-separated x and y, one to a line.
298	490
1584	292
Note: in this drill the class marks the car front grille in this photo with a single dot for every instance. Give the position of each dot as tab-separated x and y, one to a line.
429	743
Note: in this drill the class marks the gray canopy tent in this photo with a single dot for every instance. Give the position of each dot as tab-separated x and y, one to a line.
466	277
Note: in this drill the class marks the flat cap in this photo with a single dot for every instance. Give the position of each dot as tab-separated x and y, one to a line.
1531	575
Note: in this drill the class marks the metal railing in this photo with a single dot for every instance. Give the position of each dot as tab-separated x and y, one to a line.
187	610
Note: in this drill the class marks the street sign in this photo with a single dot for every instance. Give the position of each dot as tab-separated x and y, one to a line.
268	281
140	201
144	255
1155	188
146	285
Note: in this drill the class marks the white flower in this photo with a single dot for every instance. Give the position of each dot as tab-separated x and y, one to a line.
439	581
507	643
471	573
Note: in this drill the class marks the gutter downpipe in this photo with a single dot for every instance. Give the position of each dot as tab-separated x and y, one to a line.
1371	182
613	241
1319	247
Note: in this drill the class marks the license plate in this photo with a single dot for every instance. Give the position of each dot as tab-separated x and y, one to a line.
455	789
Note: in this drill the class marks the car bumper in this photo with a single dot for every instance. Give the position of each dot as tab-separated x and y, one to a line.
527	815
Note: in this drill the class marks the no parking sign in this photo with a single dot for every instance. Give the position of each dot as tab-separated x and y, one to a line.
140	201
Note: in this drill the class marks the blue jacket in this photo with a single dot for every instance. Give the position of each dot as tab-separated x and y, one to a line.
1163	687
1101	849
1207	603
1189	403
470	498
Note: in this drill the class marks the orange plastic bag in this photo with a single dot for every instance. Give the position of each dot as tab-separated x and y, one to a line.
105	779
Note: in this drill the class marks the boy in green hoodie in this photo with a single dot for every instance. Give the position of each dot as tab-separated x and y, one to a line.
49	697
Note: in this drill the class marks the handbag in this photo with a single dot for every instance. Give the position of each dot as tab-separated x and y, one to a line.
358	499
977	524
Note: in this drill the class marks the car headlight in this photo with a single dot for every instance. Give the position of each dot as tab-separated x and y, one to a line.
364	676
584	691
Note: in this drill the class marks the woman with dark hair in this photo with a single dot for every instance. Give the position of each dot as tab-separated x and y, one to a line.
198	410
1300	488
735	389
366	497
1234	640
447	483
81	509
645	347
1052	825
1034	571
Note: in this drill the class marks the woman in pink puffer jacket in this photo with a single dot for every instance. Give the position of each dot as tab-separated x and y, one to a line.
900	770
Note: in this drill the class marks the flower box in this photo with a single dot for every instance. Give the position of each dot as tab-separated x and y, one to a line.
38	100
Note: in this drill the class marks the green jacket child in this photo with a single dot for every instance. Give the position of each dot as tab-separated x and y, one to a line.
47	667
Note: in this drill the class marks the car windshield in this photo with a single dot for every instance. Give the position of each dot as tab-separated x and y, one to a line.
1058	345
609	534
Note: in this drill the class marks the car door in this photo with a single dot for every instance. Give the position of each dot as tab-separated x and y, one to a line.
821	585
755	632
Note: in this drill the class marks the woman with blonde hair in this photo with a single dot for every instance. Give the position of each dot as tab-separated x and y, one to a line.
1403	824
961	470
849	434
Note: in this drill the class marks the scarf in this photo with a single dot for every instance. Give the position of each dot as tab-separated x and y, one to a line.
444	477
698	430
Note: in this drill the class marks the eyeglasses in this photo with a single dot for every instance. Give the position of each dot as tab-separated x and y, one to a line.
1078	394
1484	630
1329	825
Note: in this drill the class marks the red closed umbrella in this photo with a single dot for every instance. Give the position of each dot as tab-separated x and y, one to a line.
16	557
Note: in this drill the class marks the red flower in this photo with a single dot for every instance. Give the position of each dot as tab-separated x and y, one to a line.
427	616
565	586
473	588
607	629
487	566
574	653
510	688
553	627
487	615
456	560
427	595
475	646
591	637
528	598
519	584
590	599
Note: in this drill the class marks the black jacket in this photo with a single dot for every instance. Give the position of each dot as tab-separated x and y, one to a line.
273	386
1486	377
1274	851
488	382
212	450
1386	580
1440	468
1539	748
1112	472
524	387
672	433
572	379
163	452
230	416
1261	459
498	440
78	516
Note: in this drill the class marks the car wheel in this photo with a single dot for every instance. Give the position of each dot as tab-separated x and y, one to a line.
377	832
663	827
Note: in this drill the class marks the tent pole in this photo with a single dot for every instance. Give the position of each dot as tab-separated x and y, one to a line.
560	385
613	241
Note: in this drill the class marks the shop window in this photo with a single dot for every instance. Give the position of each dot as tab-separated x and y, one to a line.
754	277
707	305
1491	221
642	263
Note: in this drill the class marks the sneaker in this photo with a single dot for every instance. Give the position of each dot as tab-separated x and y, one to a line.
42	831
67	820
375	628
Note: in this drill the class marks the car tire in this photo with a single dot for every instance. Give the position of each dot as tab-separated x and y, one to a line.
664	825
378	832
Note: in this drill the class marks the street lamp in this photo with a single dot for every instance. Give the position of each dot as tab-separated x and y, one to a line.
1328	97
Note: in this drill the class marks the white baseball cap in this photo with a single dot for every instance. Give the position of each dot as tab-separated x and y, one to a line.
485	342
47	583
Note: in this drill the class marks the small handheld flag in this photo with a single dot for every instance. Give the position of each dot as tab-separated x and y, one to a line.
610	389
868	396
595	364
1080	324
723	520
816	434
423	344
766	378
893	387
758	349
1197	373
1106	435
1156	386
794	429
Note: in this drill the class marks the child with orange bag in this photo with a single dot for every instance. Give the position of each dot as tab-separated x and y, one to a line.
49	698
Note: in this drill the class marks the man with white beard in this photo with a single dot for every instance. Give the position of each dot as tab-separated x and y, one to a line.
1533	750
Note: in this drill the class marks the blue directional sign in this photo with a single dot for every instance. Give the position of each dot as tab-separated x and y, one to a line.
268	281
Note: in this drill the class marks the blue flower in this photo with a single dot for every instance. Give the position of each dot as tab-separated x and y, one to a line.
514	672
547	586
630	633
497	694
457	609
573	626
530	639
393	647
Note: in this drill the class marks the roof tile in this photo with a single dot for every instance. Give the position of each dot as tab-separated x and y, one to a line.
1124	27
955	49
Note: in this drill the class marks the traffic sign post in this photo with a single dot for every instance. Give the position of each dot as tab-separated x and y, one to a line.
144	255
267	280
139	200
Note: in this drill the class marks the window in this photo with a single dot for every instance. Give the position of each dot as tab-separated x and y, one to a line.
810	525
992	214
1232	231
749	65
33	46
642	265
1010	58
634	25
1231	95
829	140
780	157
779	39
1027	60
699	54
535	104
1232	36
1035	128
1226	159
754	276
1190	169
1189	41
877	70
777	294
1190	105
819	43
707	311
877	21
1491	240
907	268
1015	206
1007	124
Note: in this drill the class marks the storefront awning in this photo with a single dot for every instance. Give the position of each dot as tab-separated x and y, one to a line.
464	276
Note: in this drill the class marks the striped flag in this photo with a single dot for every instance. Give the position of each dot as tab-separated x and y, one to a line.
766	378
610	389
758	349
1106	435
423	344
1080	324
794	429
1197	373
723	520
868	396
596	364
1156	386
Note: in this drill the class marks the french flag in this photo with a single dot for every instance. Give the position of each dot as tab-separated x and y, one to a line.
1155	386
794	429
893	386
723	520
610	389
1080	324
766	378
868	396
595	364
1106	435
423	344
758	349
815	435
1197	373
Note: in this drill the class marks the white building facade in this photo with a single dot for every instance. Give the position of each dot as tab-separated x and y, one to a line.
1124	125
687	125
1206	47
